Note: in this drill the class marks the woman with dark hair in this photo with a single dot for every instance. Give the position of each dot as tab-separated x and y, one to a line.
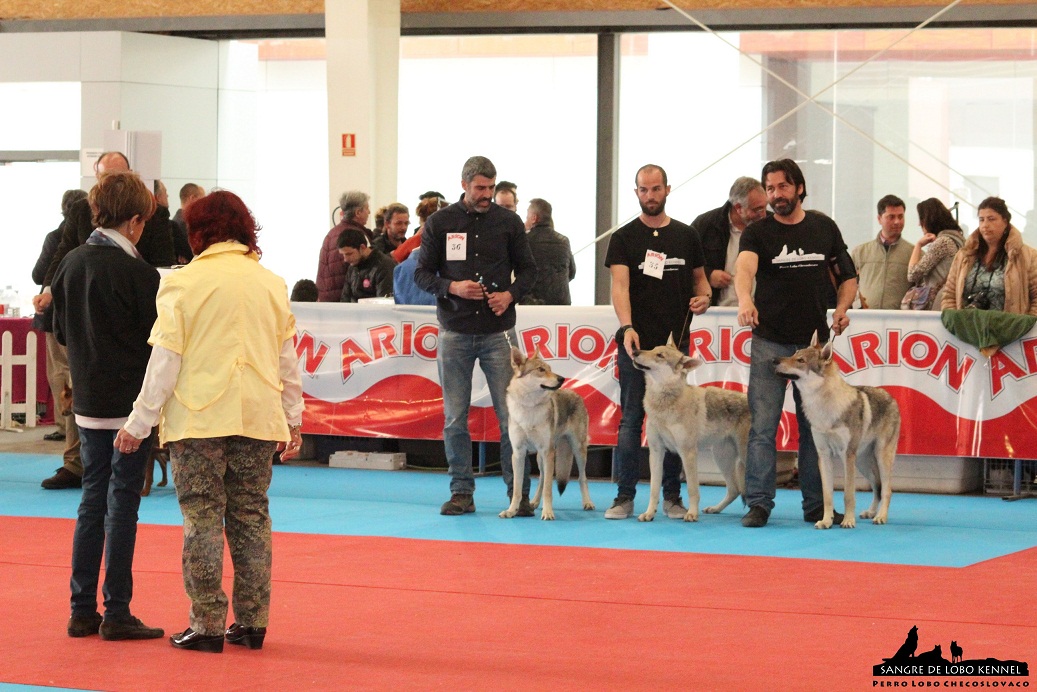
995	270
944	237
224	377
104	306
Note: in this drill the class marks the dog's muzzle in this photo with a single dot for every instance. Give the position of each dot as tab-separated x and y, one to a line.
786	375
561	381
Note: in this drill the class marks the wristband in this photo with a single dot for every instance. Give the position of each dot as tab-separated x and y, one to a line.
621	332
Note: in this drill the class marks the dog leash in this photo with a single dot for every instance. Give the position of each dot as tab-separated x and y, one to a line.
684	329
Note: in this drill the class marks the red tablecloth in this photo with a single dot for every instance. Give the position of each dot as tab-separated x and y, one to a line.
19	328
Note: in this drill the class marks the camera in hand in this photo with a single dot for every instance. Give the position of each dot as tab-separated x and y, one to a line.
979	300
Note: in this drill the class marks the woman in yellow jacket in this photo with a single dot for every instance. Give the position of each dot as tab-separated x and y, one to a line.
223	384
995	270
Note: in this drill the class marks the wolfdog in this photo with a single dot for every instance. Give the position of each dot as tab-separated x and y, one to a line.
550	421
681	417
855	425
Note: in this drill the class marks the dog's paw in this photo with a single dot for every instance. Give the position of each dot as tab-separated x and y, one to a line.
647	516
692	515
879	519
823	524
547	515
587	506
534	504
508	513
715	509
867	514
848	522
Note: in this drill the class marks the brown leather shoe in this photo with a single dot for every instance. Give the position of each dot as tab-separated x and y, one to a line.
84	625
128	628
525	509
62	480
251	637
457	505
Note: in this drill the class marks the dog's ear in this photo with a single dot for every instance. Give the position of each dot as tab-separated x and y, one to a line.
826	352
813	339
689	363
517	359
669	341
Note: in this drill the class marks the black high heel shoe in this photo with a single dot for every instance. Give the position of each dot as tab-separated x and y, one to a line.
252	637
191	640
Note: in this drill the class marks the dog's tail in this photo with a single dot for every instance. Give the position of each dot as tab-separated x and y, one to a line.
563	463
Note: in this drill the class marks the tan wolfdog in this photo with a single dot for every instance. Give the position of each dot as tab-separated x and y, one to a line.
550	421
682	416
858	426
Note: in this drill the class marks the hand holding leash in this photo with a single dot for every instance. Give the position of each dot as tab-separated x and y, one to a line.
840	321
498	302
631	341
471	290
747	315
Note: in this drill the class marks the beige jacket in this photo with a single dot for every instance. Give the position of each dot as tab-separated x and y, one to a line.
1020	275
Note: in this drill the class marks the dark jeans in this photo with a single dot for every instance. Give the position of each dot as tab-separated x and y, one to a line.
456	357
107	523
766	398
628	446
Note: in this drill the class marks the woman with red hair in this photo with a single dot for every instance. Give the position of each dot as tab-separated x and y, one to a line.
223	381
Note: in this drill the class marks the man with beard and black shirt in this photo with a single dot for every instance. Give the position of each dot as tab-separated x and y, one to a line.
394	228
469	252
789	256
658	280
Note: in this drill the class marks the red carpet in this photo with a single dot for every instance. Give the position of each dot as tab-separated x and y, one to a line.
374	613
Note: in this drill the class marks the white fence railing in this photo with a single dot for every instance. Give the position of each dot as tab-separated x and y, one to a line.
8	362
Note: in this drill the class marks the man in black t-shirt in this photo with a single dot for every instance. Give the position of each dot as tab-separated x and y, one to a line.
657	281
789	255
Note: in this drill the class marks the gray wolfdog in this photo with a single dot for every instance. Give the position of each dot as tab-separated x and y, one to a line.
681	417
857	425
550	421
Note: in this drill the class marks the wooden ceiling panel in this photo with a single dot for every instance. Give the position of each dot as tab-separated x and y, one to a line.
126	9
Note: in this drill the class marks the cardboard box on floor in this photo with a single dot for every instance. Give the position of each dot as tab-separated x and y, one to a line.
379	461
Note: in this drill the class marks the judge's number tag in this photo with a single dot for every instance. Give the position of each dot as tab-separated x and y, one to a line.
654	263
456	246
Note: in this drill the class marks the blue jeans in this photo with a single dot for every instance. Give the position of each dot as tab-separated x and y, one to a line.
766	396
107	523
456	358
627	460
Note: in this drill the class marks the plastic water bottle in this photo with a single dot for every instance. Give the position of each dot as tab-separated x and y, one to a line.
9	300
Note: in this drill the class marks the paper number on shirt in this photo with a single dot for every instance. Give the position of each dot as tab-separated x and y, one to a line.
654	263
456	246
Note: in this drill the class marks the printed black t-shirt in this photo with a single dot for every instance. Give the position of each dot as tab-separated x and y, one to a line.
792	275
658	307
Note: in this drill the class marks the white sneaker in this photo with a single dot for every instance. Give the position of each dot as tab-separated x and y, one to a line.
674	509
622	507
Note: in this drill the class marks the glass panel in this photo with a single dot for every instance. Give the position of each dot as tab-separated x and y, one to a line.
39	116
945	113
526	102
30	207
273	146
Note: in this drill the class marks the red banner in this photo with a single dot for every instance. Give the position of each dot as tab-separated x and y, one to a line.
370	370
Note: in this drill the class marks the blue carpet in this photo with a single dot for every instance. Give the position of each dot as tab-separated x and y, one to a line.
928	530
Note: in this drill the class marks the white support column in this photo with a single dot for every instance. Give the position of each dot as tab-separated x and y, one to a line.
363	62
